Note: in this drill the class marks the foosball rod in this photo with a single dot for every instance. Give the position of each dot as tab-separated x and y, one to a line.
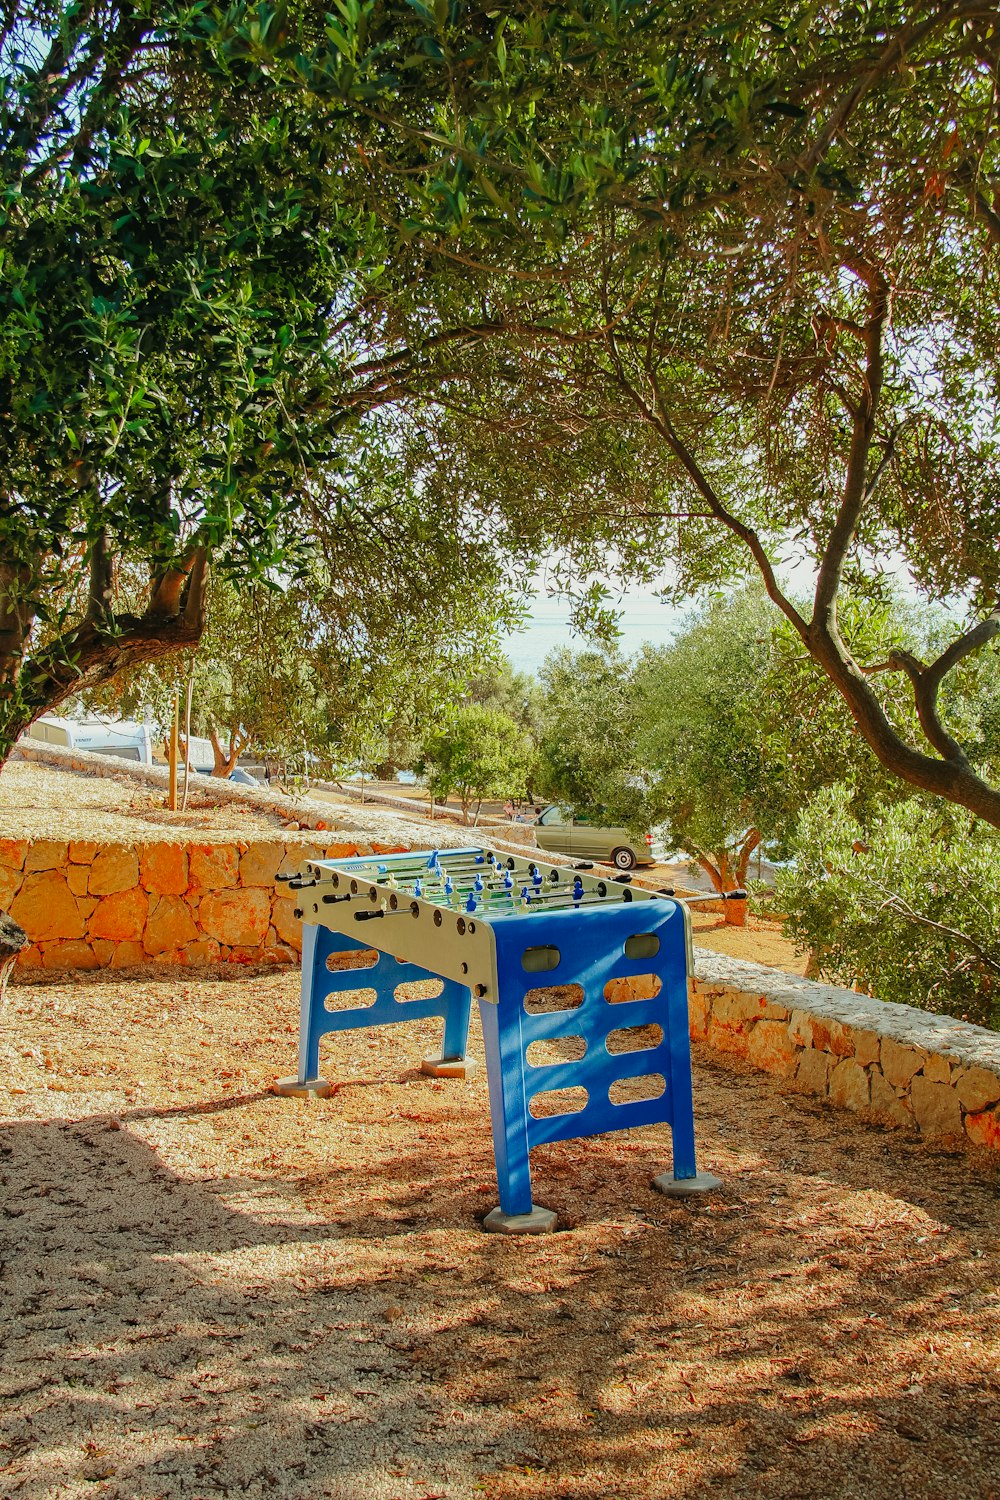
464	861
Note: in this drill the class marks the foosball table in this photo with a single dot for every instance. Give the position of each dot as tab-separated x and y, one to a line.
562	961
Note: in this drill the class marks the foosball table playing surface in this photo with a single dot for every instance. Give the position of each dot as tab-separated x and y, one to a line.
553	956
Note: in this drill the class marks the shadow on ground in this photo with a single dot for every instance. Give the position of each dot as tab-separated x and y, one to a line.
212	1291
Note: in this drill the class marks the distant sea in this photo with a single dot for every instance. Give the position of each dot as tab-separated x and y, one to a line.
653	624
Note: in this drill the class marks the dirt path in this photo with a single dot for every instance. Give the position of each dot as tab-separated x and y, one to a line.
210	1291
760	941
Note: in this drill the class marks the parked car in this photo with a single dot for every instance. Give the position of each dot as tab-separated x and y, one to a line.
236	775
558	831
242	778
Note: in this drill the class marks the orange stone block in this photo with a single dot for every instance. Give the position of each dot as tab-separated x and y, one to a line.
45	854
45	907
170	925
279	954
30	957
294	861
727	1036
127	955
287	925
82	851
831	1036
121	916
115	868
698	1014
10	882
163	868
203	952
238	918
259	864
77	955
984	1129
213	866
86	906
12	853
771	1048
634	987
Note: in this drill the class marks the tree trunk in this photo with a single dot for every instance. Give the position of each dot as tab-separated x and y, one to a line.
97	648
717	867
225	760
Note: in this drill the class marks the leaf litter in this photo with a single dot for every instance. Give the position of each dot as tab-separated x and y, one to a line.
208	1290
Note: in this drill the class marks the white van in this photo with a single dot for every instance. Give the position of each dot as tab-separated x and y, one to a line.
127	740
201	756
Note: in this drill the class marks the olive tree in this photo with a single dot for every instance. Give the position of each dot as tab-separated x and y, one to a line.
172	260
476	753
906	904
587	754
743	275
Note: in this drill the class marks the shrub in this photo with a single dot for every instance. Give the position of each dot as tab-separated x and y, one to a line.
906	907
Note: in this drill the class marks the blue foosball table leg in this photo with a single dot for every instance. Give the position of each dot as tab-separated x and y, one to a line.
454	1060
685	1181
517	1214
316	948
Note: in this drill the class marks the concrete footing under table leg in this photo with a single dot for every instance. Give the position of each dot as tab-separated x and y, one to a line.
539	1221
310	1088
685	1187
449	1067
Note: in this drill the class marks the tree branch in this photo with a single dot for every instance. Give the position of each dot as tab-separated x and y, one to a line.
904	41
101	593
857	488
748	536
927	678
896	903
925	698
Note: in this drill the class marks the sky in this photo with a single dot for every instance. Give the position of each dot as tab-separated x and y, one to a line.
643	618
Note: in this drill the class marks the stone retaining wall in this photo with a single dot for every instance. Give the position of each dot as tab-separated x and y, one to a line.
381	823
90	906
897	1065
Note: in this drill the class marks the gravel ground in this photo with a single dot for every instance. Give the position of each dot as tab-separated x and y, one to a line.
42	802
207	1290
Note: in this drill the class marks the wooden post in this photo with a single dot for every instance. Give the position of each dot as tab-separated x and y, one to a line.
172	793
187	741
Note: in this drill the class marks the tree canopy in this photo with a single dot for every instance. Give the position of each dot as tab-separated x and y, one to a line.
905	904
396	605
658	289
741	277
587	756
173	259
477	752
